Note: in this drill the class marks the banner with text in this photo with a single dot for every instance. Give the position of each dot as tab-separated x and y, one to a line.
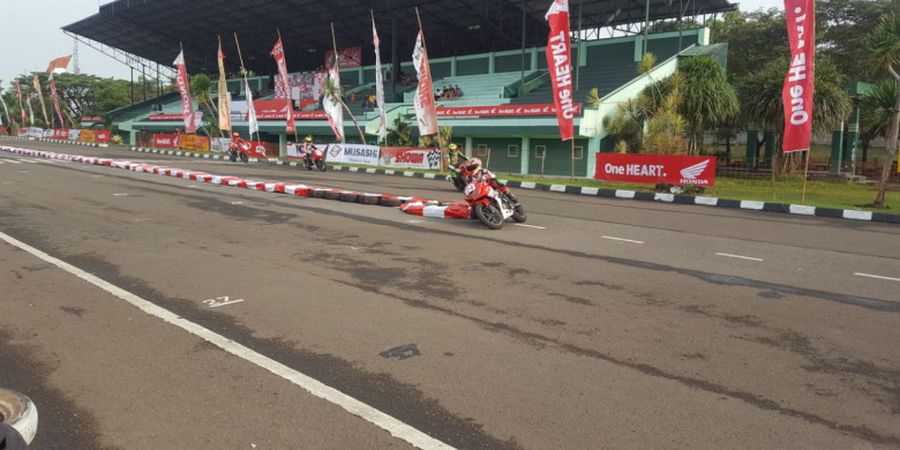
657	169
194	143
410	158
537	110
165	140
799	82
353	154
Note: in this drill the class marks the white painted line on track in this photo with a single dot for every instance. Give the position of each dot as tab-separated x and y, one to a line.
30	161
529	226
395	427
630	241
877	277
13	161
747	258
120	194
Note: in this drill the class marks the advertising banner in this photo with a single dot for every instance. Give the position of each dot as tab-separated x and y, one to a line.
277	110
165	141
657	169
194	143
184	88
61	134
538	110
410	158
23	131
48	134
426	115
87	136
73	134
559	60
353	154
219	145
102	136
799	82
36	132
3	130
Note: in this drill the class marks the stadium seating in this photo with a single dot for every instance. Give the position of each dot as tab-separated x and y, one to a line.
487	89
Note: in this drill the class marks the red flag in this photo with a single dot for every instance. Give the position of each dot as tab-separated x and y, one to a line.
55	97
21	103
426	113
559	60
187	106
59	65
799	82
278	54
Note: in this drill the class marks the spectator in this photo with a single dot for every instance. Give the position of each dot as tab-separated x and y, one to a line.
459	92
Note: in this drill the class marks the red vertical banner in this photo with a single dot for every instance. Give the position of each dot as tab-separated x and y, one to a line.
278	53
187	105
799	82
426	113
559	61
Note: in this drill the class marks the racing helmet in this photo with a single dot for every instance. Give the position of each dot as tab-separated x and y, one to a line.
475	164
235	135
308	139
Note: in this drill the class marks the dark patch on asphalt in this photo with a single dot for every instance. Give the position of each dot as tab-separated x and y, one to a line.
613	287
36	267
17	274
379	390
743	320
541	341
699	356
73	310
241	212
63	424
402	352
573	299
771	295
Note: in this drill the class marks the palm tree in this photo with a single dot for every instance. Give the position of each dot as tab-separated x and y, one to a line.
333	92
877	106
401	135
707	97
763	105
884	43
200	87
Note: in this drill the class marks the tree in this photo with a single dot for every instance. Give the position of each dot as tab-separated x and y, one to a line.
201	86
884	43
762	102
843	27
400	135
707	99
752	37
626	127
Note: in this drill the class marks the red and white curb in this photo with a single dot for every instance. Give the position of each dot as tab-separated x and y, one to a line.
458	210
409	204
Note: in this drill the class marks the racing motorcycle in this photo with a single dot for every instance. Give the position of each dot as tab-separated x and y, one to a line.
491	206
314	158
459	176
243	153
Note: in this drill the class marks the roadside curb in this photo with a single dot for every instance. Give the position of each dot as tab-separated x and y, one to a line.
276	187
747	205
56	141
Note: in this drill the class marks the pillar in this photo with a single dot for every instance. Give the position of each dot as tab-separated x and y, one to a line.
752	149
282	145
525	154
453	66
469	146
853	139
492	62
837	150
770	146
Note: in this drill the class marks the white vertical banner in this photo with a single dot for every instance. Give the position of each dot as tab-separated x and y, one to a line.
379	84
251	110
426	113
184	88
333	106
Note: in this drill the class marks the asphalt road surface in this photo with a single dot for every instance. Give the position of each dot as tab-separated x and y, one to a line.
601	324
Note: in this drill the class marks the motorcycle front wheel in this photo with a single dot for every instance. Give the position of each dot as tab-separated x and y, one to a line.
321	165
519	214
489	215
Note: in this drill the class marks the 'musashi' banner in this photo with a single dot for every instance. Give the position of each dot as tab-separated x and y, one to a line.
799	82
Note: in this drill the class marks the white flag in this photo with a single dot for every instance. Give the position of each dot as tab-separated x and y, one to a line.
251	110
333	106
379	85
30	112
426	113
8	121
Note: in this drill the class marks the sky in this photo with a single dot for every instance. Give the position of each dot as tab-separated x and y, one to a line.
32	36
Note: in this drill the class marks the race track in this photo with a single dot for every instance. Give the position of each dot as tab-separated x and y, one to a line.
601	324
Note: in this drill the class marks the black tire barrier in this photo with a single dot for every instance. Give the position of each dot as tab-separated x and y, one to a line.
352	197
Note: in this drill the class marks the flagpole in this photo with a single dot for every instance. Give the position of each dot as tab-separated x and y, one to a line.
573	157
244	74
805	177
444	158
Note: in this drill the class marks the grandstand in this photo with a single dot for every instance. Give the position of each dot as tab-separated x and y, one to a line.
479	46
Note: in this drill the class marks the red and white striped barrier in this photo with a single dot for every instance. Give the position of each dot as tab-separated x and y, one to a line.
458	210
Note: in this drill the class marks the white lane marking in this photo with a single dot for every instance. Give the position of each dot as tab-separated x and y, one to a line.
241	203
747	258
630	241
221	301
395	427
120	194
877	277
30	161
13	161
414	221
529	226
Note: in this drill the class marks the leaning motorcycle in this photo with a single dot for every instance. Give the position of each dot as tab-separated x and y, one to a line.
459	177
243	153
491	206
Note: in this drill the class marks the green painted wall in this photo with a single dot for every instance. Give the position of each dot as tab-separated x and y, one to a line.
440	70
474	66
559	159
500	160
511	63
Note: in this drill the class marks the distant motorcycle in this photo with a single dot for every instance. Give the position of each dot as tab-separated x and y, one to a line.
491	206
243	153
459	176
314	158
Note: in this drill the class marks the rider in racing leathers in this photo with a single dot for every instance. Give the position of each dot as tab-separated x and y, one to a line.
307	148
236	143
479	173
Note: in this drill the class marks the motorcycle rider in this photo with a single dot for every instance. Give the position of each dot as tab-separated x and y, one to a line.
237	143
479	173
455	156
307	148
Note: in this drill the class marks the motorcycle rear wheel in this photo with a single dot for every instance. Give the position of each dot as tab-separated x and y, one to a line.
321	165
244	157
489	215
232	155
459	183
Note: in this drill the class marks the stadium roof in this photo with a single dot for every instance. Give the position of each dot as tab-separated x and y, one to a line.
154	29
